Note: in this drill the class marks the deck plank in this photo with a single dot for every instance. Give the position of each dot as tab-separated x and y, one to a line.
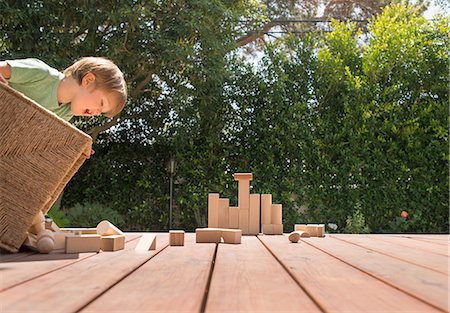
415	245
247	278
32	265
70	288
337	286
424	284
435	262
173	281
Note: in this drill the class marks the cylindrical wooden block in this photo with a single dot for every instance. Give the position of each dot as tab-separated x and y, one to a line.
294	237
277	214
266	211
45	241
105	228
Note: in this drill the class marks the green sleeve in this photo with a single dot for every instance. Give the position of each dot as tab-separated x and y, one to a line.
27	70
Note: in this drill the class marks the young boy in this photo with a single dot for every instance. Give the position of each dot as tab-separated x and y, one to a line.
90	87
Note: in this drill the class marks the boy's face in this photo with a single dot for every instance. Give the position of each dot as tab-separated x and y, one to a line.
89	101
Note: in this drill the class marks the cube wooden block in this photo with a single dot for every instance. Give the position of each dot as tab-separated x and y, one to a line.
146	242
83	243
233	221
254	214
113	242
39	154
277	214
208	235
232	236
277	229
268	229
60	239
266	209
321	230
224	213
213	210
176	237
312	230
243	221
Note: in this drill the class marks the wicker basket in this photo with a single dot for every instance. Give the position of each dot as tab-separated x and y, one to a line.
39	154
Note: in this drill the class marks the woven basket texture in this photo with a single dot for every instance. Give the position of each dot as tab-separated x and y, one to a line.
39	154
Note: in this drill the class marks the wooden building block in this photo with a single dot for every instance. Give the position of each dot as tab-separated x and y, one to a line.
213	210
45	241
312	230
146	242
267	229
83	243
243	180
105	228
302	227
321	230
233	221
224	213
266	209
176	237
232	236
208	235
296	235
243	221
277	214
277	229
60	239
113	242
39	153
254	222
51	225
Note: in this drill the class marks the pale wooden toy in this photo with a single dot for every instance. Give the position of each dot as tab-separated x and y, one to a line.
208	235
243	221
224	213
44	240
113	243
277	213
254	214
277	229
83	243
266	209
146	242
233	221
232	236
105	228
213	210
295	235
314	230
268	229
176	237
243	180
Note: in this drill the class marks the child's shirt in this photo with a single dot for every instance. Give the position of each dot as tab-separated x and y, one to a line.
39	82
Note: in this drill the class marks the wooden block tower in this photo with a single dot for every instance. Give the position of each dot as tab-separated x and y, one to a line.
247	215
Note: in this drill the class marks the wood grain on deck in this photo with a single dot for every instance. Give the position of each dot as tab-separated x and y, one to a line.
338	273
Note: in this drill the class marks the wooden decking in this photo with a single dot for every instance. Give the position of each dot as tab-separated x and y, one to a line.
338	273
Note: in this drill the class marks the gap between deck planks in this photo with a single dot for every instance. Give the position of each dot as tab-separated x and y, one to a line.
434	262
19	270
70	288
337	286
175	280
428	286
248	278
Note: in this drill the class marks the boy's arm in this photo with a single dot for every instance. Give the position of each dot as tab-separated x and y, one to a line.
5	72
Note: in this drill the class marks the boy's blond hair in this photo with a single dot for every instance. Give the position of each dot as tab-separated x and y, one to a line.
108	76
